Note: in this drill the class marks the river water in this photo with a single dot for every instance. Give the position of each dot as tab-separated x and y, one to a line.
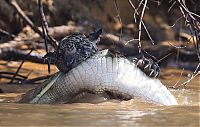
112	113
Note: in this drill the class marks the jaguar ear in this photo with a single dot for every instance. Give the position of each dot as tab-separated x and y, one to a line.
95	35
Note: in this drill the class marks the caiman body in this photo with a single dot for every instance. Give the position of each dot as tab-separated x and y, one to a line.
115	77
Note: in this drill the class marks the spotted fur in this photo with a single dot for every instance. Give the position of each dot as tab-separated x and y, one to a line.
74	49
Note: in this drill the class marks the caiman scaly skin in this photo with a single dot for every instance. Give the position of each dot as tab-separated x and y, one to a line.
103	75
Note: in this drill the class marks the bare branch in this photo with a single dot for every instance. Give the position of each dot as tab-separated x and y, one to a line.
45	31
119	18
176	21
7	33
178	47
35	80
171	6
141	22
19	67
174	86
17	8
45	27
11	73
152	41
192	22
140	26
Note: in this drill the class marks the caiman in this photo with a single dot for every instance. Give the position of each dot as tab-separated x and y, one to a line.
105	75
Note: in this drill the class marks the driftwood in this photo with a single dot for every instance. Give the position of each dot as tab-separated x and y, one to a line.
17	78
56	32
12	44
107	41
16	54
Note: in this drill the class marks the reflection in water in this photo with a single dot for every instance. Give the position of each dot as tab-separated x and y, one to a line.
97	115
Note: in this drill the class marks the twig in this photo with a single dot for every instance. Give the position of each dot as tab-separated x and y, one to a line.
11	77
188	81
150	55
23	79
16	7
176	21
171	6
131	41
192	22
11	73
7	33
174	86
27	75
20	67
34	80
152	41
134	15
178	47
45	27
141	22
163	57
139	5
119	18
45	31
140	26
196	72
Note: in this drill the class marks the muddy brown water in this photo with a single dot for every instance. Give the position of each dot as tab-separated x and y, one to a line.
135	112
